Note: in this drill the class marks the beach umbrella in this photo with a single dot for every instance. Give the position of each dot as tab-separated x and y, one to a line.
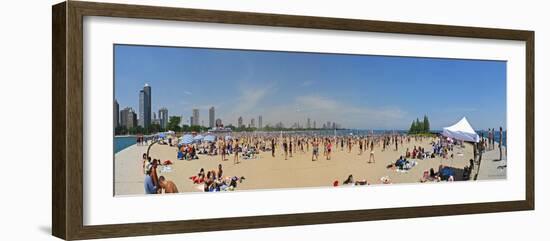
198	138
210	138
162	135
186	139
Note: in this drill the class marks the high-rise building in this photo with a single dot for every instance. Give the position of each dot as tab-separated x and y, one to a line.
163	117
219	122
328	125
124	117
252	123
191	121
145	106
128	118
314	124
116	110
196	120
308	125
240	122
211	117
260	120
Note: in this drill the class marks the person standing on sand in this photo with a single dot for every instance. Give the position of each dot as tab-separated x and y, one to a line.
315	146
273	147
222	149
167	186
500	144
290	146
285	148
329	148
371	156
360	147
236	152
493	130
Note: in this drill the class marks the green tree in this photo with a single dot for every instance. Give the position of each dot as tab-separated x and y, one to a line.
426	123
174	123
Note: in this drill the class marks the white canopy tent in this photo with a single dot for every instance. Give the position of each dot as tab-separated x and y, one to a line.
462	130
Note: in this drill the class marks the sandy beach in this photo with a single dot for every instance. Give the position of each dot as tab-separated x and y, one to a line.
299	171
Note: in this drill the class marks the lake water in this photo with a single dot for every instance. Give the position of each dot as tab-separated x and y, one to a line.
122	142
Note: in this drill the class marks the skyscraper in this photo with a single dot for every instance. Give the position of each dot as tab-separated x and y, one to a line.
124	117
163	117
128	118
260	120
314	124
211	117
196	121
240	122
308	125
252	123
116	110
145	106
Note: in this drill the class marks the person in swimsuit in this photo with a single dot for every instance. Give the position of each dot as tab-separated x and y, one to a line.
167	186
273	147
290	146
329	148
371	156
315	146
360	147
236	152
285	148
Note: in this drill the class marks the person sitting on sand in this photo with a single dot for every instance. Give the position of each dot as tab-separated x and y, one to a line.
167	186
349	180
145	161
199	178
150	187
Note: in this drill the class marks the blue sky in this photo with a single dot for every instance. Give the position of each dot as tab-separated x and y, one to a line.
357	91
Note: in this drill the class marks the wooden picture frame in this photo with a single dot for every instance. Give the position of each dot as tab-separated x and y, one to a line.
67	123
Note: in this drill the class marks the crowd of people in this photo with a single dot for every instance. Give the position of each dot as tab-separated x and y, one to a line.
215	181
251	146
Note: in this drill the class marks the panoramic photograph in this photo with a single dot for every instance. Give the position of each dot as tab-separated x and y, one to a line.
189	120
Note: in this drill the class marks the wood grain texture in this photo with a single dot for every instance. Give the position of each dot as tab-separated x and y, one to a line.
67	137
58	121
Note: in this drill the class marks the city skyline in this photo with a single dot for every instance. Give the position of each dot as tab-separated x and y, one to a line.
355	91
